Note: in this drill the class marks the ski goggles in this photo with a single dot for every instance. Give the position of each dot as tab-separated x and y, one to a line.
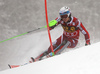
67	12
63	16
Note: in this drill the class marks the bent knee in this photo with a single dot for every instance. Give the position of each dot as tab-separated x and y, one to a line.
72	44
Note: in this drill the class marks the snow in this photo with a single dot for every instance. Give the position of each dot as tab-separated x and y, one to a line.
84	60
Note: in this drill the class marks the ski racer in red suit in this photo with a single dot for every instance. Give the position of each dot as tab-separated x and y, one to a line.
71	26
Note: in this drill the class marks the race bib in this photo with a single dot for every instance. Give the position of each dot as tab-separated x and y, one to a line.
69	29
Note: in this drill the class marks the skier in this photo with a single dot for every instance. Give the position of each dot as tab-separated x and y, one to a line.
71	26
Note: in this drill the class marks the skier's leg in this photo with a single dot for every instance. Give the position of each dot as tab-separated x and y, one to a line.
57	42
73	43
55	45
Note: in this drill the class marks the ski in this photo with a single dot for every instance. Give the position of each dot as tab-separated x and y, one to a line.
9	66
40	57
14	66
44	55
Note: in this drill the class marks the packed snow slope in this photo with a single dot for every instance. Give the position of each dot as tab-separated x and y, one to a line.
84	60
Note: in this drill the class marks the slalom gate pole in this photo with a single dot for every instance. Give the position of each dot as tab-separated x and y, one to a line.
48	27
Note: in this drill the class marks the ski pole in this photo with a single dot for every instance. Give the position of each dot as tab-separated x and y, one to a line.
20	35
35	30
51	23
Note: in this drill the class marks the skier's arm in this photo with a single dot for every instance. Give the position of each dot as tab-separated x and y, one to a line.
84	32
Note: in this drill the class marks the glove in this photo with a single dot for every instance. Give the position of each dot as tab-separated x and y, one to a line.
53	26
87	43
50	28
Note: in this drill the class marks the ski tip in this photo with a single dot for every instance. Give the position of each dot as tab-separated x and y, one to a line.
9	66
33	59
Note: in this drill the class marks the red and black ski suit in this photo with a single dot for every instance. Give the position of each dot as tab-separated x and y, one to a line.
70	33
